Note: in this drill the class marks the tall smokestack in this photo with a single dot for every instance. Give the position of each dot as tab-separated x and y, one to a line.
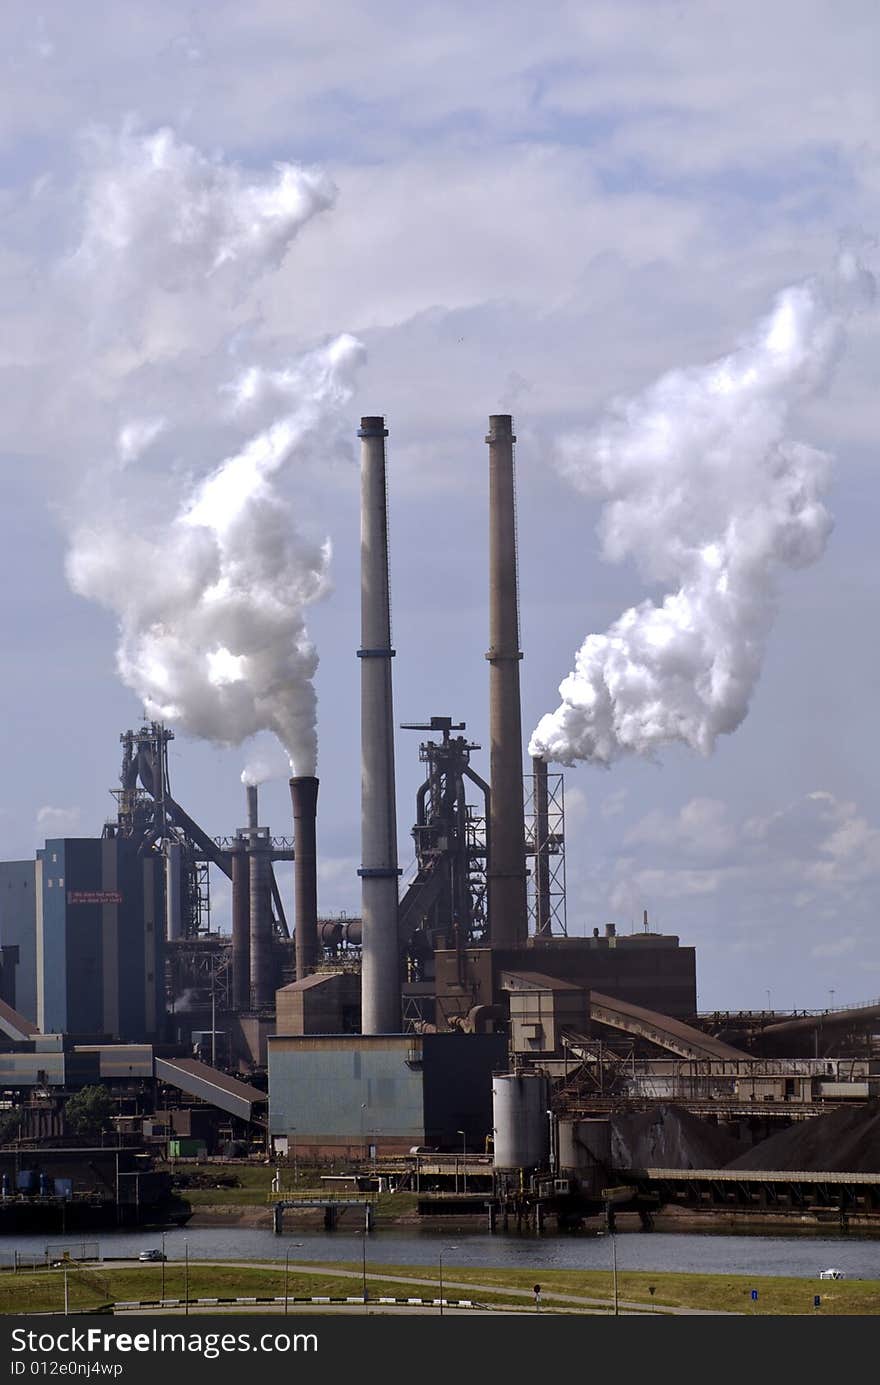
241	942
380	984
508	911
304	798
253	811
542	849
260	919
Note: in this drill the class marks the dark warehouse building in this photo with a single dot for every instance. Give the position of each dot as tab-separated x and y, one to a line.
100	957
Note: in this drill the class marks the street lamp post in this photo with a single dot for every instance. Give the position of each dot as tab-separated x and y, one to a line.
186	1279
463	1159
441	1281
614	1270
163	1264
295	1246
364	1266
295	1174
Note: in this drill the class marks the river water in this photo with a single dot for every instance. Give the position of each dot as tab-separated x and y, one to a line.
707	1253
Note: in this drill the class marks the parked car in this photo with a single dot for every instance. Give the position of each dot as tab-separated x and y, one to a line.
152	1255
832	1274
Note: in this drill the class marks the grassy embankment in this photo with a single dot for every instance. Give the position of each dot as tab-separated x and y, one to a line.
255	1182
43	1291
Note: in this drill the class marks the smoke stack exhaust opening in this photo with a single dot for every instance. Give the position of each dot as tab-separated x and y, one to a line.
380	963
304	800
506	874
253	810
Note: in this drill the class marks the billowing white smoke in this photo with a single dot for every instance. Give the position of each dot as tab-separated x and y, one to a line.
206	568
263	765
212	631
708	495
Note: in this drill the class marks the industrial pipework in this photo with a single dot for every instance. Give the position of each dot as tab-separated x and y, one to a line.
508	911
380	966
304	798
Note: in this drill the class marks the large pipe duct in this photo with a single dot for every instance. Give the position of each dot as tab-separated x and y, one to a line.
506	874
380	984
543	913
241	943
304	798
173	868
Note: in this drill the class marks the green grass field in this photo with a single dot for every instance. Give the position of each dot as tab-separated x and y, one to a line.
89	1287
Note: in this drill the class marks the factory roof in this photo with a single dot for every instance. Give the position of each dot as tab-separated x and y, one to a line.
535	981
663	1030
211	1085
316	979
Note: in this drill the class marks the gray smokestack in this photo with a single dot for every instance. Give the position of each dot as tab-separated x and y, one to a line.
253	813
260	920
304	798
241	942
508	913
380	984
542	849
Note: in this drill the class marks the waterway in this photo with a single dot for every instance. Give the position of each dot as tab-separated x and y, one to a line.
708	1253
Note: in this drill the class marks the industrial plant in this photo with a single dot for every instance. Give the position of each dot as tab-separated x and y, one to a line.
454	1039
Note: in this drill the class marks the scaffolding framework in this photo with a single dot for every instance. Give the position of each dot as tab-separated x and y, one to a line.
545	844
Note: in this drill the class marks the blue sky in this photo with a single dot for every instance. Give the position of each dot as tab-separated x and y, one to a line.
537	211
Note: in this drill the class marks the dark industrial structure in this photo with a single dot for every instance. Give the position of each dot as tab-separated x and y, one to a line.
457	1012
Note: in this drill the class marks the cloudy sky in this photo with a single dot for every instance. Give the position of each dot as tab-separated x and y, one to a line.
229	231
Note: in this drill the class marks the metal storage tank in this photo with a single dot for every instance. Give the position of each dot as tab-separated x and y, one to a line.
584	1143
520	1120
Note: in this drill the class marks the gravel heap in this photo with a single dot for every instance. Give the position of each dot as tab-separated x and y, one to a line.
844	1141
668	1137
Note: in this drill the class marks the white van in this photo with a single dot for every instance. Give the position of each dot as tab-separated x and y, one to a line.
832	1274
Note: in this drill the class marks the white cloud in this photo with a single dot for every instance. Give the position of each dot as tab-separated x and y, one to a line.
839	947
613	804
701	828
58	822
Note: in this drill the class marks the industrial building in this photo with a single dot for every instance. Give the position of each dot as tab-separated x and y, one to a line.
18	936
99	943
388	1092
458	1011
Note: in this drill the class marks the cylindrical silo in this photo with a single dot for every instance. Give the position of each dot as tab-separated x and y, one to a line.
585	1154
506	873
520	1121
380	981
583	1144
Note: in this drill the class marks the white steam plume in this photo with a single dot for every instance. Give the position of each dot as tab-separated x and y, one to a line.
206	568
263	765
211	611
708	495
